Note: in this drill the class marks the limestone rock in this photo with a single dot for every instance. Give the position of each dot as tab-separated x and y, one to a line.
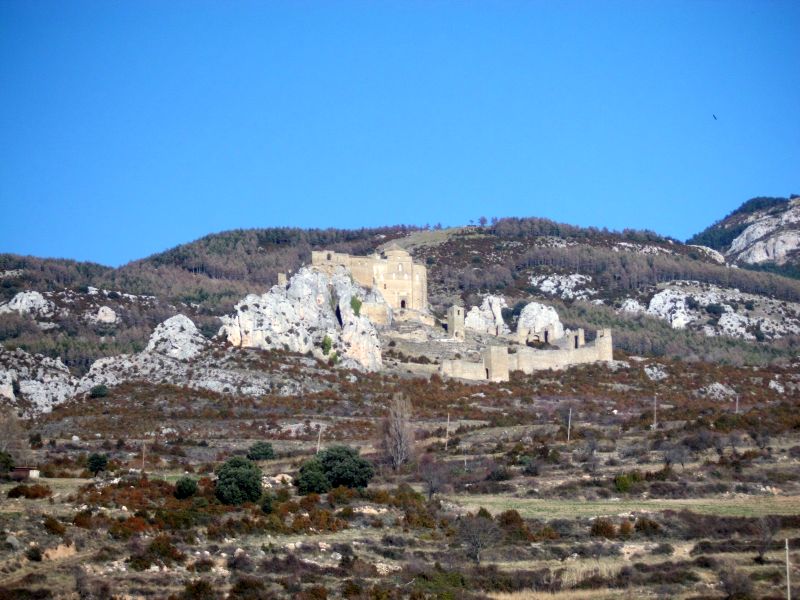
631	306
42	382
177	337
31	303
104	314
567	287
488	318
769	237
710	253
299	317
670	305
538	317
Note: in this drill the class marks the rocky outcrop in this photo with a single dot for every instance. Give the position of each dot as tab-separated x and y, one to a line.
709	253
104	314
566	287
178	338
32	382
769	237
539	317
30	303
299	318
488	318
631	306
728	312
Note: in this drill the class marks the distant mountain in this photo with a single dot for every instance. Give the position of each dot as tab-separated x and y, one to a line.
763	233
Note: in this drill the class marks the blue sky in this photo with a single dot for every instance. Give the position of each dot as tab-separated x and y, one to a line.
130	127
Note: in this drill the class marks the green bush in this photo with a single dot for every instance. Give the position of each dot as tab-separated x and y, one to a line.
343	466
185	487
238	481
261	451
327	344
312	479
98	391
96	463
6	462
355	304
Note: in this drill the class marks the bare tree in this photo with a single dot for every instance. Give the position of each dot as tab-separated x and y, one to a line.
398	439
434	474
477	533
767	529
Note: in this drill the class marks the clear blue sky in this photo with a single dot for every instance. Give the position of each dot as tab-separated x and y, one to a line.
130	127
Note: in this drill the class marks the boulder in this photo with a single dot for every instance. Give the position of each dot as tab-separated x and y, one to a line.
178	338
538	317
488	318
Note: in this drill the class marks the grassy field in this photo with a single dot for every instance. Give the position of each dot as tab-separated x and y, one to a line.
749	506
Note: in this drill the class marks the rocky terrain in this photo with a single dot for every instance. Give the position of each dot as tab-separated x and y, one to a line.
761	231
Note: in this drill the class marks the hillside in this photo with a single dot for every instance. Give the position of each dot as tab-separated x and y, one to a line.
763	232
662	297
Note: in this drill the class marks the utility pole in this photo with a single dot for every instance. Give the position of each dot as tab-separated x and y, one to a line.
655	411
737	404
319	438
447	432
569	424
144	445
788	578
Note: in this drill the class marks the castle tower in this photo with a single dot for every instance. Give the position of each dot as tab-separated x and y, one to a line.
455	321
495	361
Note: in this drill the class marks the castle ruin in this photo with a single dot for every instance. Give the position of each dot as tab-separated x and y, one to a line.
404	286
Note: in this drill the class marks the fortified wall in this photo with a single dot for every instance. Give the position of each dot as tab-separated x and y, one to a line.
402	282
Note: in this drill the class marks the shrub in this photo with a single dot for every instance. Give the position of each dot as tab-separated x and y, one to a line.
647	526
343	466
238	481
96	463
30	492
261	451
198	590
53	526
327	344
34	554
355	304
185	487
311	478
6	462
736	584
98	391
603	528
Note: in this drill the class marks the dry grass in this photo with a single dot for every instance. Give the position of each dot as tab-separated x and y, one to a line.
748	506
564	595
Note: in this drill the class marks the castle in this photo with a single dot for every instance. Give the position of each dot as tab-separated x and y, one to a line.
404	286
402	282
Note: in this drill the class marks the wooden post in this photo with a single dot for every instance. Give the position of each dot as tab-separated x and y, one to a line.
569	424
144	445
737	404
788	577
319	438
447	432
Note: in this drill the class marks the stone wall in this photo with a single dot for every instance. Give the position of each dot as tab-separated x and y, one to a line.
496	362
529	360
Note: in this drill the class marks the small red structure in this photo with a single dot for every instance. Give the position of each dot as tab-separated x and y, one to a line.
22	473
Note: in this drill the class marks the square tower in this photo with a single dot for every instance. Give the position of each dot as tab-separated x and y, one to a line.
455	321
495	361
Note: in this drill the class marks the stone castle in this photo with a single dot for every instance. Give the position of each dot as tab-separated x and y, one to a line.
404	286
402	282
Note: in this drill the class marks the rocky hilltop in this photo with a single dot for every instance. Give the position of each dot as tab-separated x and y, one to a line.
761	231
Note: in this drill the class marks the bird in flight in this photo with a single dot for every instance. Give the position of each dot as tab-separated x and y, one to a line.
715	116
